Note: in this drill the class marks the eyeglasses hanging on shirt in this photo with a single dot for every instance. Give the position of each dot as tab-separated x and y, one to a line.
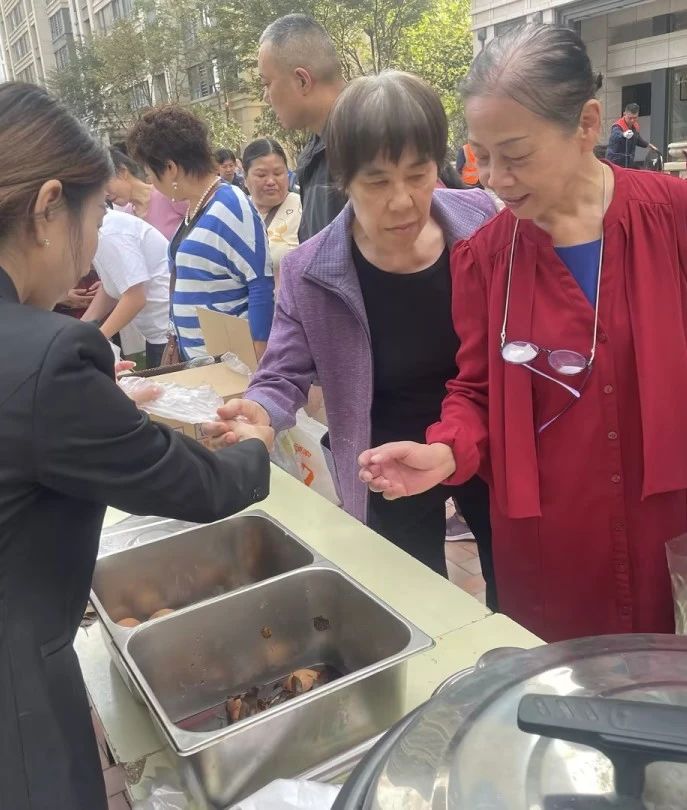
566	362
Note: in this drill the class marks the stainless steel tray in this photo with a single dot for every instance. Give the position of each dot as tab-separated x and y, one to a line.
191	661
192	566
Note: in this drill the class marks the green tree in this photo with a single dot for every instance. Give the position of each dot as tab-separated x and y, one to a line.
78	87
224	130
439	49
293	140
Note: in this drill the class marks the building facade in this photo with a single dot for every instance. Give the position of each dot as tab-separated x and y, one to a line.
38	37
639	47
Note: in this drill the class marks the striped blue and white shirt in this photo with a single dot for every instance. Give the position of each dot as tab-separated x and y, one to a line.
224	265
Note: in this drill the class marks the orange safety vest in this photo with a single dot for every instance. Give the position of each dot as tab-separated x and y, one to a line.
469	173
622	123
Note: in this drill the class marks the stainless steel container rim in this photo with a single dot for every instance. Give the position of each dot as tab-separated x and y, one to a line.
119	635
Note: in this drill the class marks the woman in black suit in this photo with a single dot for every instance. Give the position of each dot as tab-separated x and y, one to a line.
70	443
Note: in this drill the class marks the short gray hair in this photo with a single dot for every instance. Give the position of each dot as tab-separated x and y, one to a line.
545	68
384	114
300	41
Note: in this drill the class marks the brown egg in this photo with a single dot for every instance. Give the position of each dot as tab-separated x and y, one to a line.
233	707
302	680
147	599
162	612
130	622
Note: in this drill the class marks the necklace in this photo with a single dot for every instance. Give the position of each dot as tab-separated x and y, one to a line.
598	277
201	201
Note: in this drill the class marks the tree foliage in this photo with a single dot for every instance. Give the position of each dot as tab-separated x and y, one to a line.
145	59
224	130
439	48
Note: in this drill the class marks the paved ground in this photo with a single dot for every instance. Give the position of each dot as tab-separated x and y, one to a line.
464	568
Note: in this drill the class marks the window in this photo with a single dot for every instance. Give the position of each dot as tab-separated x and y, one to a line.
28	75
201	81
160	89
678	21
139	96
21	47
631	31
57	25
116	10
62	57
637	94
678	105
16	16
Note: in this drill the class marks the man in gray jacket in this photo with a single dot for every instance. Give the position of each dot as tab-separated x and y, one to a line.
301	75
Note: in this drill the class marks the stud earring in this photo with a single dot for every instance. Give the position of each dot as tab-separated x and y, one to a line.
46	243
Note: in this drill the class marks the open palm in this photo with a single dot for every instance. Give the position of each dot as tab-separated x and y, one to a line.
400	469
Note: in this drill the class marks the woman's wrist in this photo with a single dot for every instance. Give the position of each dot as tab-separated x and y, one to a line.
444	459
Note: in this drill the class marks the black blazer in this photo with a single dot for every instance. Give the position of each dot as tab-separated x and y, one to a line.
70	443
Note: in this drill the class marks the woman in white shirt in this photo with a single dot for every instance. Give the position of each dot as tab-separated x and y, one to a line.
132	264
267	180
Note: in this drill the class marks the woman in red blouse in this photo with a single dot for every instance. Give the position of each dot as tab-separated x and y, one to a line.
572	394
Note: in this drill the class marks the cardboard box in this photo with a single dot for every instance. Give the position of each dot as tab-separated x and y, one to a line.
222	333
226	333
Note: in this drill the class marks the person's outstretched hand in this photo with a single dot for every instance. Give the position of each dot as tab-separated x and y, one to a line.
244	409
399	469
238	420
228	432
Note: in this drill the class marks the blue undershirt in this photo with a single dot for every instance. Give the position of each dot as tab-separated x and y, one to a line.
583	263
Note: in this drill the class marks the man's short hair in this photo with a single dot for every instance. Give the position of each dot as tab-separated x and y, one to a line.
224	155
632	109
300	41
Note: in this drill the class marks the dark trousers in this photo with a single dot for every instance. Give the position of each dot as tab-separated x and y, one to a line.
154	354
418	525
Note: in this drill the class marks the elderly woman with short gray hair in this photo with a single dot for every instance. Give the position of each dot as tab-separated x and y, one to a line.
365	308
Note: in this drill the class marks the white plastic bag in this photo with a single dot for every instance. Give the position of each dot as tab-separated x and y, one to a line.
234	363
176	402
116	351
165	793
163	798
291	794
299	452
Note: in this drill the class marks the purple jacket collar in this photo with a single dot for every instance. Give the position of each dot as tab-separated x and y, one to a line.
330	263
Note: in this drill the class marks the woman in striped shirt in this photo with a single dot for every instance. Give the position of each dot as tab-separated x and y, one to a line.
219	257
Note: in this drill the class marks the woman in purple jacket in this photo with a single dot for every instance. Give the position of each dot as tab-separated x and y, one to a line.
365	309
